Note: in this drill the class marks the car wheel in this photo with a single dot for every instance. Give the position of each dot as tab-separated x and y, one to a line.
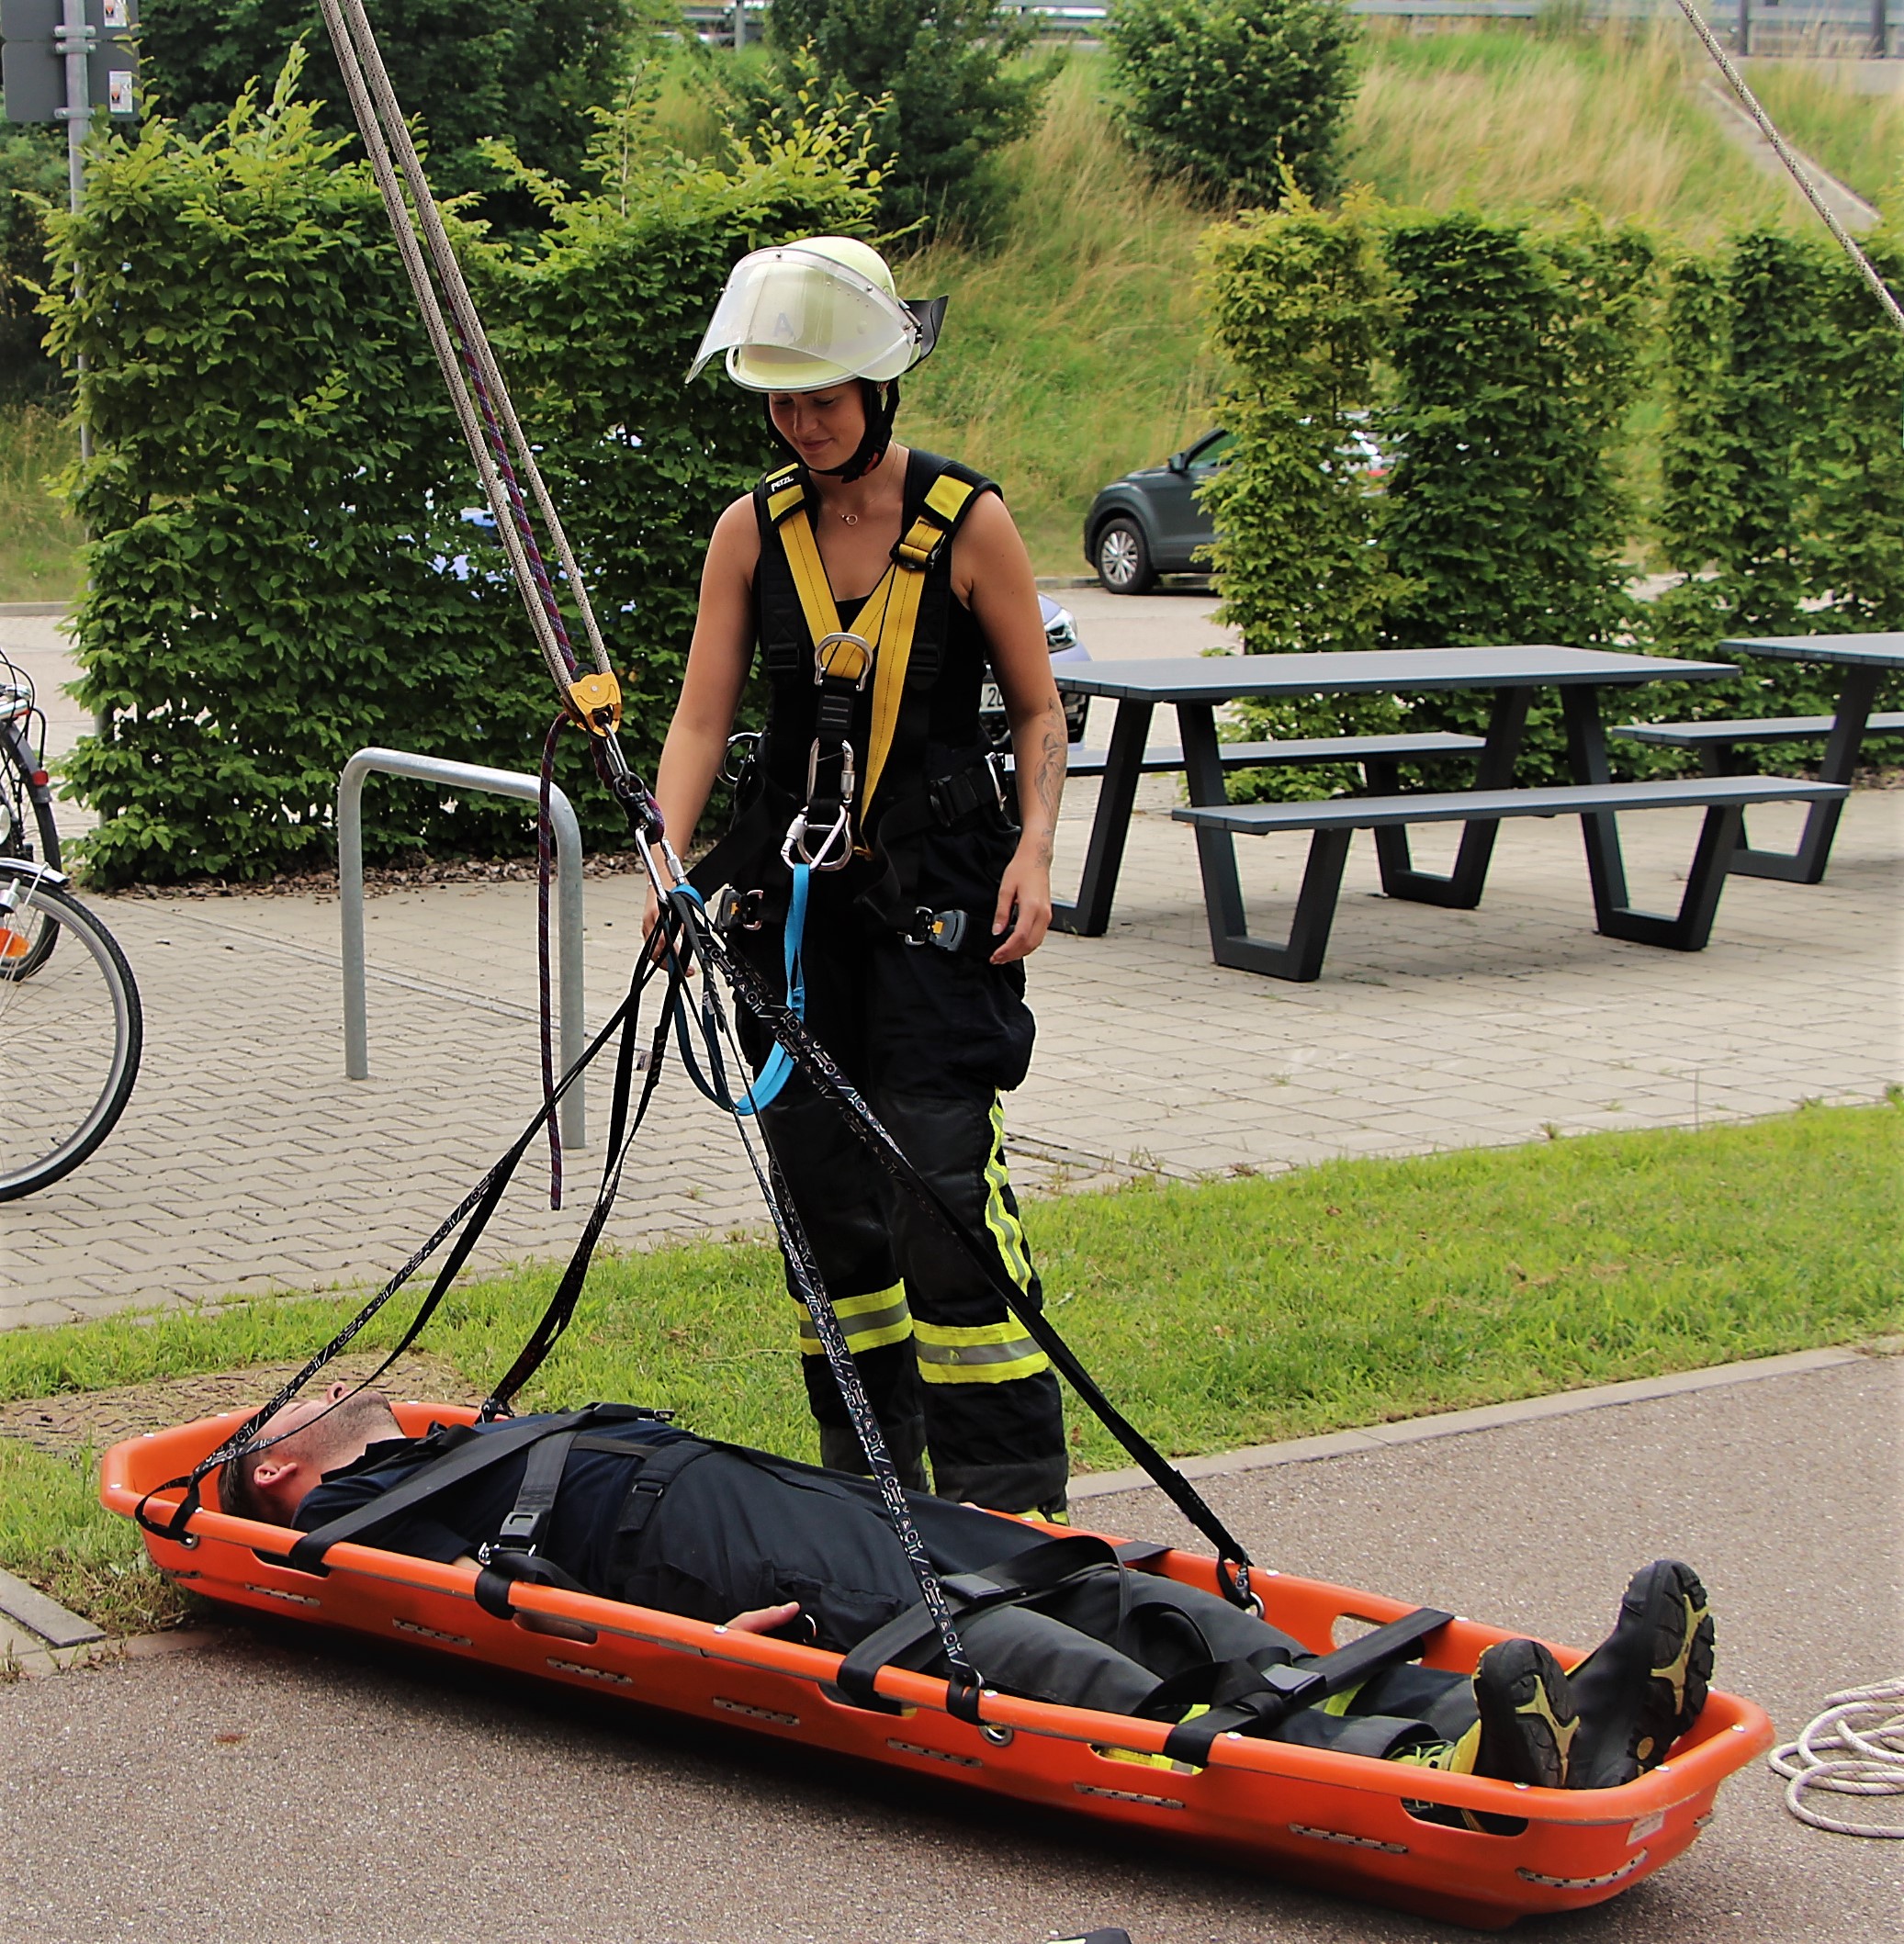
1123	557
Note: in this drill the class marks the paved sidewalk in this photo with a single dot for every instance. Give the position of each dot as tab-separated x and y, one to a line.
304	1790
246	1162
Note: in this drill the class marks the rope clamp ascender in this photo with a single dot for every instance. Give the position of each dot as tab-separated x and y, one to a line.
594	701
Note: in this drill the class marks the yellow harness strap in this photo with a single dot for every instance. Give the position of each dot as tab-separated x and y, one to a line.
895	600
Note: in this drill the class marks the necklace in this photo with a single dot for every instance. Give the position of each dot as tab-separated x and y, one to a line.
851	519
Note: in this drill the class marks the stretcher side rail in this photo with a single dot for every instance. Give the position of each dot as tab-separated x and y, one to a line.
1333	822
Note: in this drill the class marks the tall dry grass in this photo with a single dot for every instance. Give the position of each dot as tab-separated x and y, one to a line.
38	538
1818	108
1503	119
1075	347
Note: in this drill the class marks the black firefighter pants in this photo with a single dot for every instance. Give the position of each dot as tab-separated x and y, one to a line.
737	1531
930	1040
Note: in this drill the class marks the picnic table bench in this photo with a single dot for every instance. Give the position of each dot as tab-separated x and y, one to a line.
1376	754
1512	675
1335	821
1866	659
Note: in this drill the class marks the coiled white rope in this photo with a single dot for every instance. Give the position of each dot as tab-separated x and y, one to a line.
1867	1725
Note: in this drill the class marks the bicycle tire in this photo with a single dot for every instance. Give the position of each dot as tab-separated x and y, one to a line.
16	756
65	1151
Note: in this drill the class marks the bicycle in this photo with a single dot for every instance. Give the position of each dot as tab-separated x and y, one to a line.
72	1031
26	827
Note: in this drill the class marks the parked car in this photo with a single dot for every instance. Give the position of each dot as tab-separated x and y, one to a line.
1149	522
1061	638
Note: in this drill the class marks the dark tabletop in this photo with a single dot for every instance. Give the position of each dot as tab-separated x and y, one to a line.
1221	677
1883	651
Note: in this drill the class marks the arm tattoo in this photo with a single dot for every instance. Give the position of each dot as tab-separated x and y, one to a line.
1048	772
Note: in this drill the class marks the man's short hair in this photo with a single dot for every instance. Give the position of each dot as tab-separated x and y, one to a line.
238	1490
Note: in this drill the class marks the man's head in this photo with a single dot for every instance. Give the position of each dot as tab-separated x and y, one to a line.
269	1480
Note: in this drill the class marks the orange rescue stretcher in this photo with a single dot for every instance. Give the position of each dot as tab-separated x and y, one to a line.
1339	1822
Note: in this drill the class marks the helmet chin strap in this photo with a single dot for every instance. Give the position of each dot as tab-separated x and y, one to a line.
882	403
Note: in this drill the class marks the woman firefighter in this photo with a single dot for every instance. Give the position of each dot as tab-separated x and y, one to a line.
884	869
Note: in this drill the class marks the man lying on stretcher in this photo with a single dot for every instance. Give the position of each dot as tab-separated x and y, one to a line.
639	1510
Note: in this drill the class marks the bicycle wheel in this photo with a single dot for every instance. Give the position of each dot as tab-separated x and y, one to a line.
70	1037
26	810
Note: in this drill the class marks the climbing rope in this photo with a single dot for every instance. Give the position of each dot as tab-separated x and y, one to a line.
1854	1747
1801	174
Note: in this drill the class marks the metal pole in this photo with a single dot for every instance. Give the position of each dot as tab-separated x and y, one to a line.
1744	26
570	998
74	38
1880	31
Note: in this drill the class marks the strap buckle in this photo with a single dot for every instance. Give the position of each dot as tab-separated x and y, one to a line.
946	929
735	910
833	659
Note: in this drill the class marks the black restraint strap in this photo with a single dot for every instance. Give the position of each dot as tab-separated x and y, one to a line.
542	1479
1040	1569
466	1457
1251	1698
462	1453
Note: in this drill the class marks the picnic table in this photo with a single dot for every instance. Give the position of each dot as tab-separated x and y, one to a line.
1512	675
1866	659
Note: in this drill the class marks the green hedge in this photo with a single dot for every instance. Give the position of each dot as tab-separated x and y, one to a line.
1498	364
280	574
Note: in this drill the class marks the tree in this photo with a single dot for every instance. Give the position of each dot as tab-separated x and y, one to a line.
942	78
32	165
527	71
1232	92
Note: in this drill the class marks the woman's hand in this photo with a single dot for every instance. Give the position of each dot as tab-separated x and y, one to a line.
1023	912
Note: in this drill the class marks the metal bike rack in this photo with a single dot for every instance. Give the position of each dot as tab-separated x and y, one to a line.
573	1113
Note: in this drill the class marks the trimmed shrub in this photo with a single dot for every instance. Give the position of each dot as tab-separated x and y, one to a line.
528	70
1516	360
280	574
1240	95
1784	479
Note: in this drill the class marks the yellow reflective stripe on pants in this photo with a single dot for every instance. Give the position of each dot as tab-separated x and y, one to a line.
976	1352
870	1322
1000	1216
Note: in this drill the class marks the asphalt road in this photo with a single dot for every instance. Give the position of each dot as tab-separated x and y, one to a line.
276	1787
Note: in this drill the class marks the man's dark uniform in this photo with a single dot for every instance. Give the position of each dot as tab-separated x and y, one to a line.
732	1530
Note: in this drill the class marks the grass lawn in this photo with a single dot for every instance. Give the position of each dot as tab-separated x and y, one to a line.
1219	1315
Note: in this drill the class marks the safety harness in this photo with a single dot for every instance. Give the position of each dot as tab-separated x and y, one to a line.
845	805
